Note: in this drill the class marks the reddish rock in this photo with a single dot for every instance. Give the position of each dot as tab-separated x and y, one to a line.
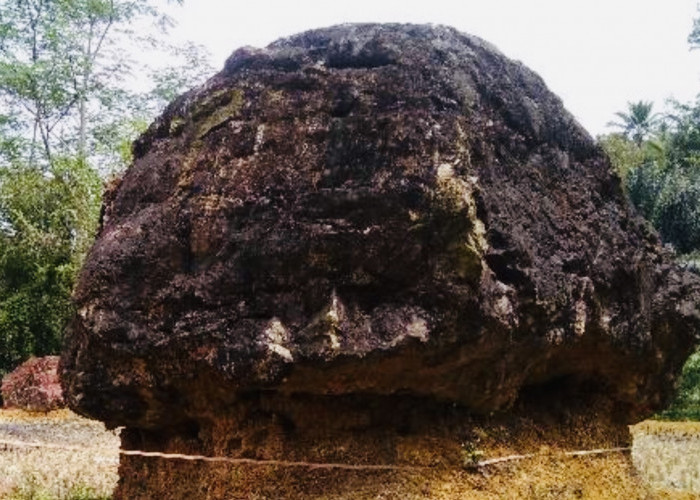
34	386
339	234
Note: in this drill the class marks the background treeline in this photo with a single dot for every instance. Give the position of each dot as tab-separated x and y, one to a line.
657	155
73	96
658	158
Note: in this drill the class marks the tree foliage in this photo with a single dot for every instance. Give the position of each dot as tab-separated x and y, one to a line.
637	122
661	175
47	222
55	62
687	404
63	64
694	36
65	115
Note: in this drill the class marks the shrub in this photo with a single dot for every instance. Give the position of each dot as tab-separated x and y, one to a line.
686	406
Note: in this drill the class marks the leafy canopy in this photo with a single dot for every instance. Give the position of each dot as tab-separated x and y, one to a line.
638	122
63	68
47	222
659	164
64	109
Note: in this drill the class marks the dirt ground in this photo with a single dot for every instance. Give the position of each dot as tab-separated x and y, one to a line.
666	454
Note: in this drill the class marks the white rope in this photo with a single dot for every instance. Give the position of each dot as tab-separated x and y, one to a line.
309	465
579	453
203	458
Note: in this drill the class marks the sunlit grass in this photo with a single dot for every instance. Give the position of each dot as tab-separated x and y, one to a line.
667	454
55	474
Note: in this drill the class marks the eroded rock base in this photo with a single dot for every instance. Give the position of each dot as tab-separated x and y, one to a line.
399	430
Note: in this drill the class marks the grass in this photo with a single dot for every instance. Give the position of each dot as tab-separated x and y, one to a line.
667	454
54	474
32	488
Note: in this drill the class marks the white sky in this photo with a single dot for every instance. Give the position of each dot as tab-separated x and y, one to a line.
595	54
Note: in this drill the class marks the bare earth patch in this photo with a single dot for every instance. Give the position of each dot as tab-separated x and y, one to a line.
50	473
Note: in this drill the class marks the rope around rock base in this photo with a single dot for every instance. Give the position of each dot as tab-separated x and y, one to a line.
578	453
311	465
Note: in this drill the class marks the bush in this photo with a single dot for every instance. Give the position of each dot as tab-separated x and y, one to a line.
47	222
686	406
670	200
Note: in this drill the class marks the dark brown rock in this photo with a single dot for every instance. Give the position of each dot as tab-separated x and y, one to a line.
34	386
367	212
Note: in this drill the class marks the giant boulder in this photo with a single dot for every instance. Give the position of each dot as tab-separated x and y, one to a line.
359	224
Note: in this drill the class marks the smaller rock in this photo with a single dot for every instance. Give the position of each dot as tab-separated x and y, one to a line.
34	386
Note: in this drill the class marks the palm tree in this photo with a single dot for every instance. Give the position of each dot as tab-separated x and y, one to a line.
639	121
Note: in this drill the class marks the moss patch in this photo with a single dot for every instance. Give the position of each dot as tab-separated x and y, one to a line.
215	110
464	233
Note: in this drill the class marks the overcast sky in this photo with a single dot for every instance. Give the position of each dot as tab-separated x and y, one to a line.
595	54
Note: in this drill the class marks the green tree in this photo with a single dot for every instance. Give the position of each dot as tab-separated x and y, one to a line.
65	109
661	174
624	154
683	135
62	67
638	122
686	406
47	222
694	36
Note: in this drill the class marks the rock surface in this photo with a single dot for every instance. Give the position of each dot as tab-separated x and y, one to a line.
361	215
34	386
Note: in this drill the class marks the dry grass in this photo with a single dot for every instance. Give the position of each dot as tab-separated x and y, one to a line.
667	454
54	474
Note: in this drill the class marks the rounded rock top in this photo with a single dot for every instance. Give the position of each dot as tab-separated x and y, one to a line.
371	209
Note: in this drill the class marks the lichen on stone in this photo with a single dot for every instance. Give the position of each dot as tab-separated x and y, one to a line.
455	208
215	109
